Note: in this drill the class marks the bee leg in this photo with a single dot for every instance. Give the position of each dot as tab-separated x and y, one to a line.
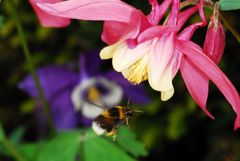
114	136
126	120
113	133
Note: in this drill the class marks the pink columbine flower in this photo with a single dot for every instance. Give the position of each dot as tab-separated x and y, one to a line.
143	50
214	43
147	53
48	20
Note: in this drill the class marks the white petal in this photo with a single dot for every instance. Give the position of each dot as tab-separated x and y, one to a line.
124	56
160	64
107	52
114	95
166	95
77	92
112	98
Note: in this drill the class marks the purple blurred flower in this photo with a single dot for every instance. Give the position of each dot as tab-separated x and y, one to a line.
66	91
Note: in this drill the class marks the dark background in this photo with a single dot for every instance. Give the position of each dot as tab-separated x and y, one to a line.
173	130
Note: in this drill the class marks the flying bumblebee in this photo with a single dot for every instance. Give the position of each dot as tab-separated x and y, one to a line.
109	120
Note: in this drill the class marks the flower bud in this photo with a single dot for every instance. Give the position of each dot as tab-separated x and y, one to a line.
214	43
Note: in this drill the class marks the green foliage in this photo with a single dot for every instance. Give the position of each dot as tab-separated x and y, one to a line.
229	4
98	148
1	21
177	123
85	144
1	132
30	150
127	140
16	137
63	147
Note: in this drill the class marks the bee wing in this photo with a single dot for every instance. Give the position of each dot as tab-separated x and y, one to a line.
99	106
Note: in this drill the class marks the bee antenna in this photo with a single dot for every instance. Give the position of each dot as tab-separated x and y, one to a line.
137	111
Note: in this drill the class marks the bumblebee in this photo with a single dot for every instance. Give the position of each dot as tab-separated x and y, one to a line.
109	120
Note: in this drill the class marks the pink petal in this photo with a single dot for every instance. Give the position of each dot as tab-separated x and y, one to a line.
196	82
188	32
107	10
153	17
214	43
201	13
185	15
173	18
237	123
46	19
152	32
177	59
113	31
191	74
158	11
194	53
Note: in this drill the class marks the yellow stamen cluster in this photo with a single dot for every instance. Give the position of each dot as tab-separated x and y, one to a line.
93	94
137	72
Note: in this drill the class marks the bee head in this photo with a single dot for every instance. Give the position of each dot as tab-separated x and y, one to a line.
128	112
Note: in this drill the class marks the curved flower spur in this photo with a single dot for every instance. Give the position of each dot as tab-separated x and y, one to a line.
141	49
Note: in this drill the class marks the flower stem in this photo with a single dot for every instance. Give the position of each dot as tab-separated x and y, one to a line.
188	3
231	28
28	57
12	150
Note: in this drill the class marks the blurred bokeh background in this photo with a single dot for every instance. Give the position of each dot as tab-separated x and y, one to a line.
171	131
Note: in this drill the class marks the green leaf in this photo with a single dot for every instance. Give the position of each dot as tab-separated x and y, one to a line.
99	148
30	151
16	137
63	147
1	133
229	4
2	19
2	149
67	146
127	140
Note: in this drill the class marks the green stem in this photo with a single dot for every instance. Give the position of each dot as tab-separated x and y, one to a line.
231	28
188	3
27	55
12	150
81	146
